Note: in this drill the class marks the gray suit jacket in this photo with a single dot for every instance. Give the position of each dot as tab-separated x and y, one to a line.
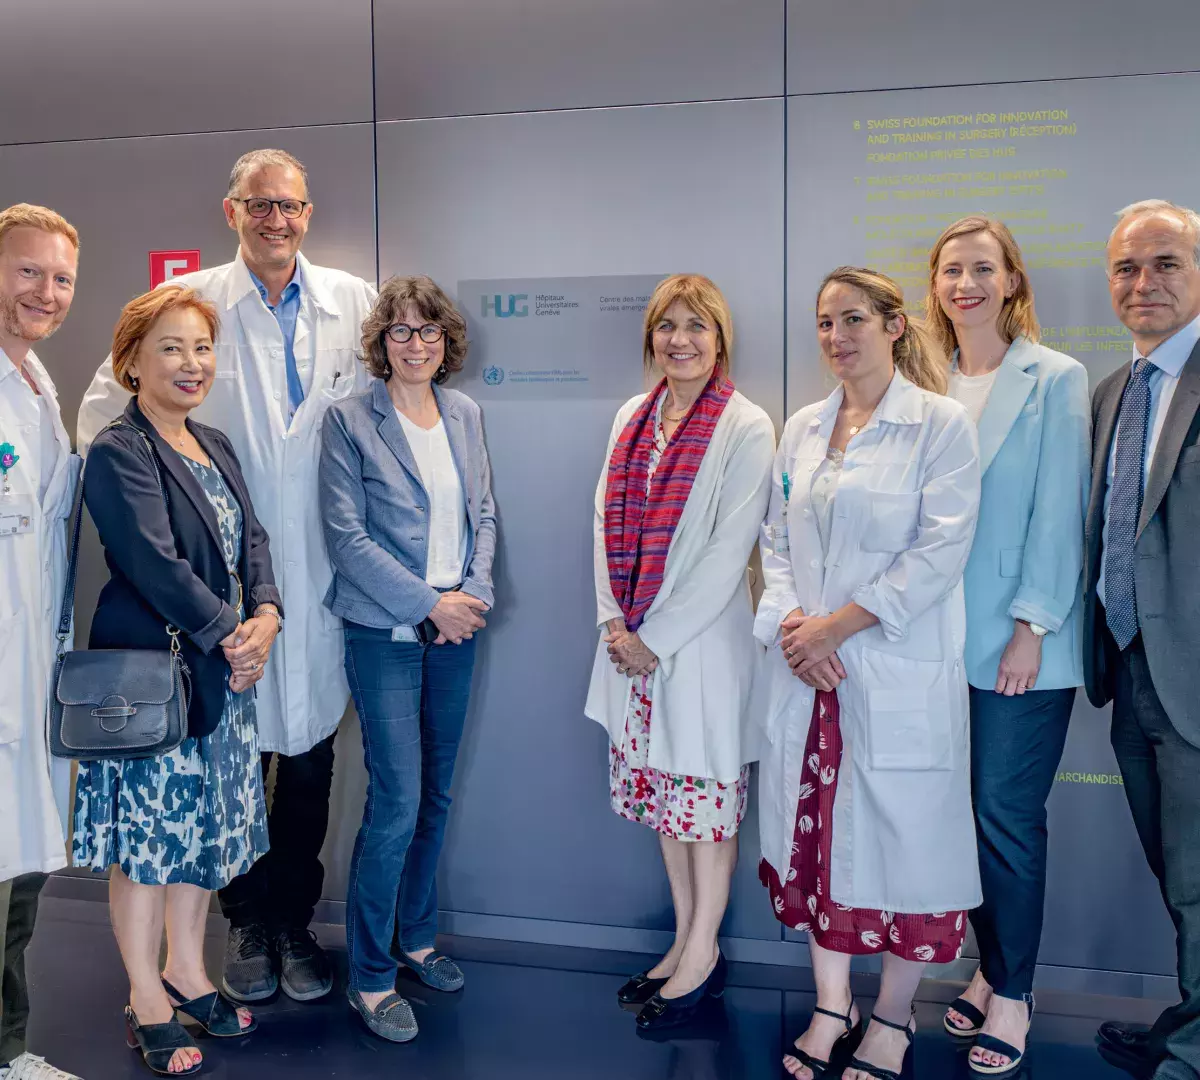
374	508
1167	570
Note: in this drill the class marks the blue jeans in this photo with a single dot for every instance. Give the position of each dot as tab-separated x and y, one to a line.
412	701
1016	745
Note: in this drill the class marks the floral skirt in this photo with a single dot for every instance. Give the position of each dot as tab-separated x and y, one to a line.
194	816
803	901
680	807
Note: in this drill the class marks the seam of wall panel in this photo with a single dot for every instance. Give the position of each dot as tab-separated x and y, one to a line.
375	141
995	82
786	8
189	134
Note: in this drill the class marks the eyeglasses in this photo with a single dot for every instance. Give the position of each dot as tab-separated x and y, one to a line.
261	208
402	332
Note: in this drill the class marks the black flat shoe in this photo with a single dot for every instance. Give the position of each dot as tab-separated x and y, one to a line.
212	1012
878	1071
847	1043
660	1013
1129	1040
158	1043
640	989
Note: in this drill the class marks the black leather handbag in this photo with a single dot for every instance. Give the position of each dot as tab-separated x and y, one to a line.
111	704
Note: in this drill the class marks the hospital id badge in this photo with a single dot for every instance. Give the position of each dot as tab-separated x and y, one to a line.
779	539
16	515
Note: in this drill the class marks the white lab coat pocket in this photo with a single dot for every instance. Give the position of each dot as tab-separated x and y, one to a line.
12	703
891	520
908	712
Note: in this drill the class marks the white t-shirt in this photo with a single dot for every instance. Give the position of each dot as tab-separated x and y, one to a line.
447	510
972	391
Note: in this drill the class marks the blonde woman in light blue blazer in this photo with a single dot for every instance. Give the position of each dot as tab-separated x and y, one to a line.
1022	585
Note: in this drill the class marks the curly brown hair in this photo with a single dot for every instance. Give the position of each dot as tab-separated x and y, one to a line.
424	294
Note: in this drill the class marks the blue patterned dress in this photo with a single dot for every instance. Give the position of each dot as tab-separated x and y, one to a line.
194	816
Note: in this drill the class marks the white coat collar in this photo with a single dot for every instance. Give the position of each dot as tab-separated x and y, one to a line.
241	284
902	403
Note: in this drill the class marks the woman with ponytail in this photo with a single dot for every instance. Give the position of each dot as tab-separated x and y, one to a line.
867	838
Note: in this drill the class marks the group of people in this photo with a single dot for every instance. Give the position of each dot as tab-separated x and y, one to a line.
951	543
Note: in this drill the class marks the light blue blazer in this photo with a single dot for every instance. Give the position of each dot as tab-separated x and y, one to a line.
374	508
1027	560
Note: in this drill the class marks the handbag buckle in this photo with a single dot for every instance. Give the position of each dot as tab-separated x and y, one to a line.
114	707
174	632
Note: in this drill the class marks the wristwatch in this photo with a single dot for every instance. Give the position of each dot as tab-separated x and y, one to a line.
1038	631
264	610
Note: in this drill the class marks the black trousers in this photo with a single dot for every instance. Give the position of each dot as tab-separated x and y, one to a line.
1161	771
18	913
283	887
1016	745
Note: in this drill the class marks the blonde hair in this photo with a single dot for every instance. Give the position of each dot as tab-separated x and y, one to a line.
915	354
698	293
140	315
26	215
1017	318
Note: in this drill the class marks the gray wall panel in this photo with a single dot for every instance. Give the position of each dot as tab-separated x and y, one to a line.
131	196
75	69
837	45
559	193
456	57
882	203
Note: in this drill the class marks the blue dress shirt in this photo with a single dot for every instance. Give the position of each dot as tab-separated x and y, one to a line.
286	312
1166	364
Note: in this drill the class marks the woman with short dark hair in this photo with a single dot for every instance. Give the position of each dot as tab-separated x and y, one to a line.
405	489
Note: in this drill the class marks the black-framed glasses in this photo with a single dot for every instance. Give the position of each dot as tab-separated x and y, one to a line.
261	208
402	332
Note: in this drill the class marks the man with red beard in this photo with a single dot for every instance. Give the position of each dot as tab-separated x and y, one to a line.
39	255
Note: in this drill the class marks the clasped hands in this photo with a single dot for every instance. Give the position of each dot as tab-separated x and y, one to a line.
810	644
627	651
247	649
457	615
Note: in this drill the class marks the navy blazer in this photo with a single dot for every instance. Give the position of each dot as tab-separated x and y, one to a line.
374	508
166	558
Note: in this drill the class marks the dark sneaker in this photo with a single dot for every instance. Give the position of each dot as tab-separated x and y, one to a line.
251	970
304	971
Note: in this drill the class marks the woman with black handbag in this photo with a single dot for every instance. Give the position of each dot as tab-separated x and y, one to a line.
187	559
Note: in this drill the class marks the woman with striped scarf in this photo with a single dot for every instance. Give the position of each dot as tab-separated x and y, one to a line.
684	488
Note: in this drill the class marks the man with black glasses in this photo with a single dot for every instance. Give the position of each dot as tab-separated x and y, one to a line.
288	349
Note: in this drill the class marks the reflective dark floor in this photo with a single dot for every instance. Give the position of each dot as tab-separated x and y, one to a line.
527	1013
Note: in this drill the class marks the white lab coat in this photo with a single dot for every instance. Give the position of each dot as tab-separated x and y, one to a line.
700	625
303	693
904	518
34	788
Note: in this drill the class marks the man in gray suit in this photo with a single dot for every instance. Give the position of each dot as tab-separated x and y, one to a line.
1142	609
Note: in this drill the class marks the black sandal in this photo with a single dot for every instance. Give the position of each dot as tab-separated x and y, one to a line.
158	1043
215	1015
819	1066
878	1071
964	1008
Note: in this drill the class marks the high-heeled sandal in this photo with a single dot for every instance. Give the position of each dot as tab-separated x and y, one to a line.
847	1041
964	1008
878	1071
215	1015
998	1046
158	1043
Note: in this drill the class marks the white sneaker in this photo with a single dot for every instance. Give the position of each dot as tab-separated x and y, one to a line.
31	1067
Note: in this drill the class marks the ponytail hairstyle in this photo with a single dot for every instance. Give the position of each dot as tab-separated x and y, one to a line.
914	352
1017	318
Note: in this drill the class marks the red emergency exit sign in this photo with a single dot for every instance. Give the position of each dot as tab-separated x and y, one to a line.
165	265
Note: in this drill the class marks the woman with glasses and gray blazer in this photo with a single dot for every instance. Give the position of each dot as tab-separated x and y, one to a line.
409	522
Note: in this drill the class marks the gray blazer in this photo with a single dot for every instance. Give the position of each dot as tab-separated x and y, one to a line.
374	508
1167	570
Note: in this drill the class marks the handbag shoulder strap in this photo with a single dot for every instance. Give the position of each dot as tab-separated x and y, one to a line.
68	605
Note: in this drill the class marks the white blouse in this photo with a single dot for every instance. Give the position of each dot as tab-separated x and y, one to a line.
447	505
972	391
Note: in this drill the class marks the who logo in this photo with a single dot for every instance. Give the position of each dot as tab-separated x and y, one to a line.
504	307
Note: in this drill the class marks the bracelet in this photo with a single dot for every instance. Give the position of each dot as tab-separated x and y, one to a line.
263	610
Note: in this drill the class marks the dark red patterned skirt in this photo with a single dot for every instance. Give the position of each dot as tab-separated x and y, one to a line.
803	901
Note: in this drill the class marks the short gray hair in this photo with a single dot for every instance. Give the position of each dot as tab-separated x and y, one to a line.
1189	218
250	163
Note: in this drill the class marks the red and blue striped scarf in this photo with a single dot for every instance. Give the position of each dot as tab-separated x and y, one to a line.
638	526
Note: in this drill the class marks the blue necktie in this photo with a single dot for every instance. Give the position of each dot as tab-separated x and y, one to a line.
1125	506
